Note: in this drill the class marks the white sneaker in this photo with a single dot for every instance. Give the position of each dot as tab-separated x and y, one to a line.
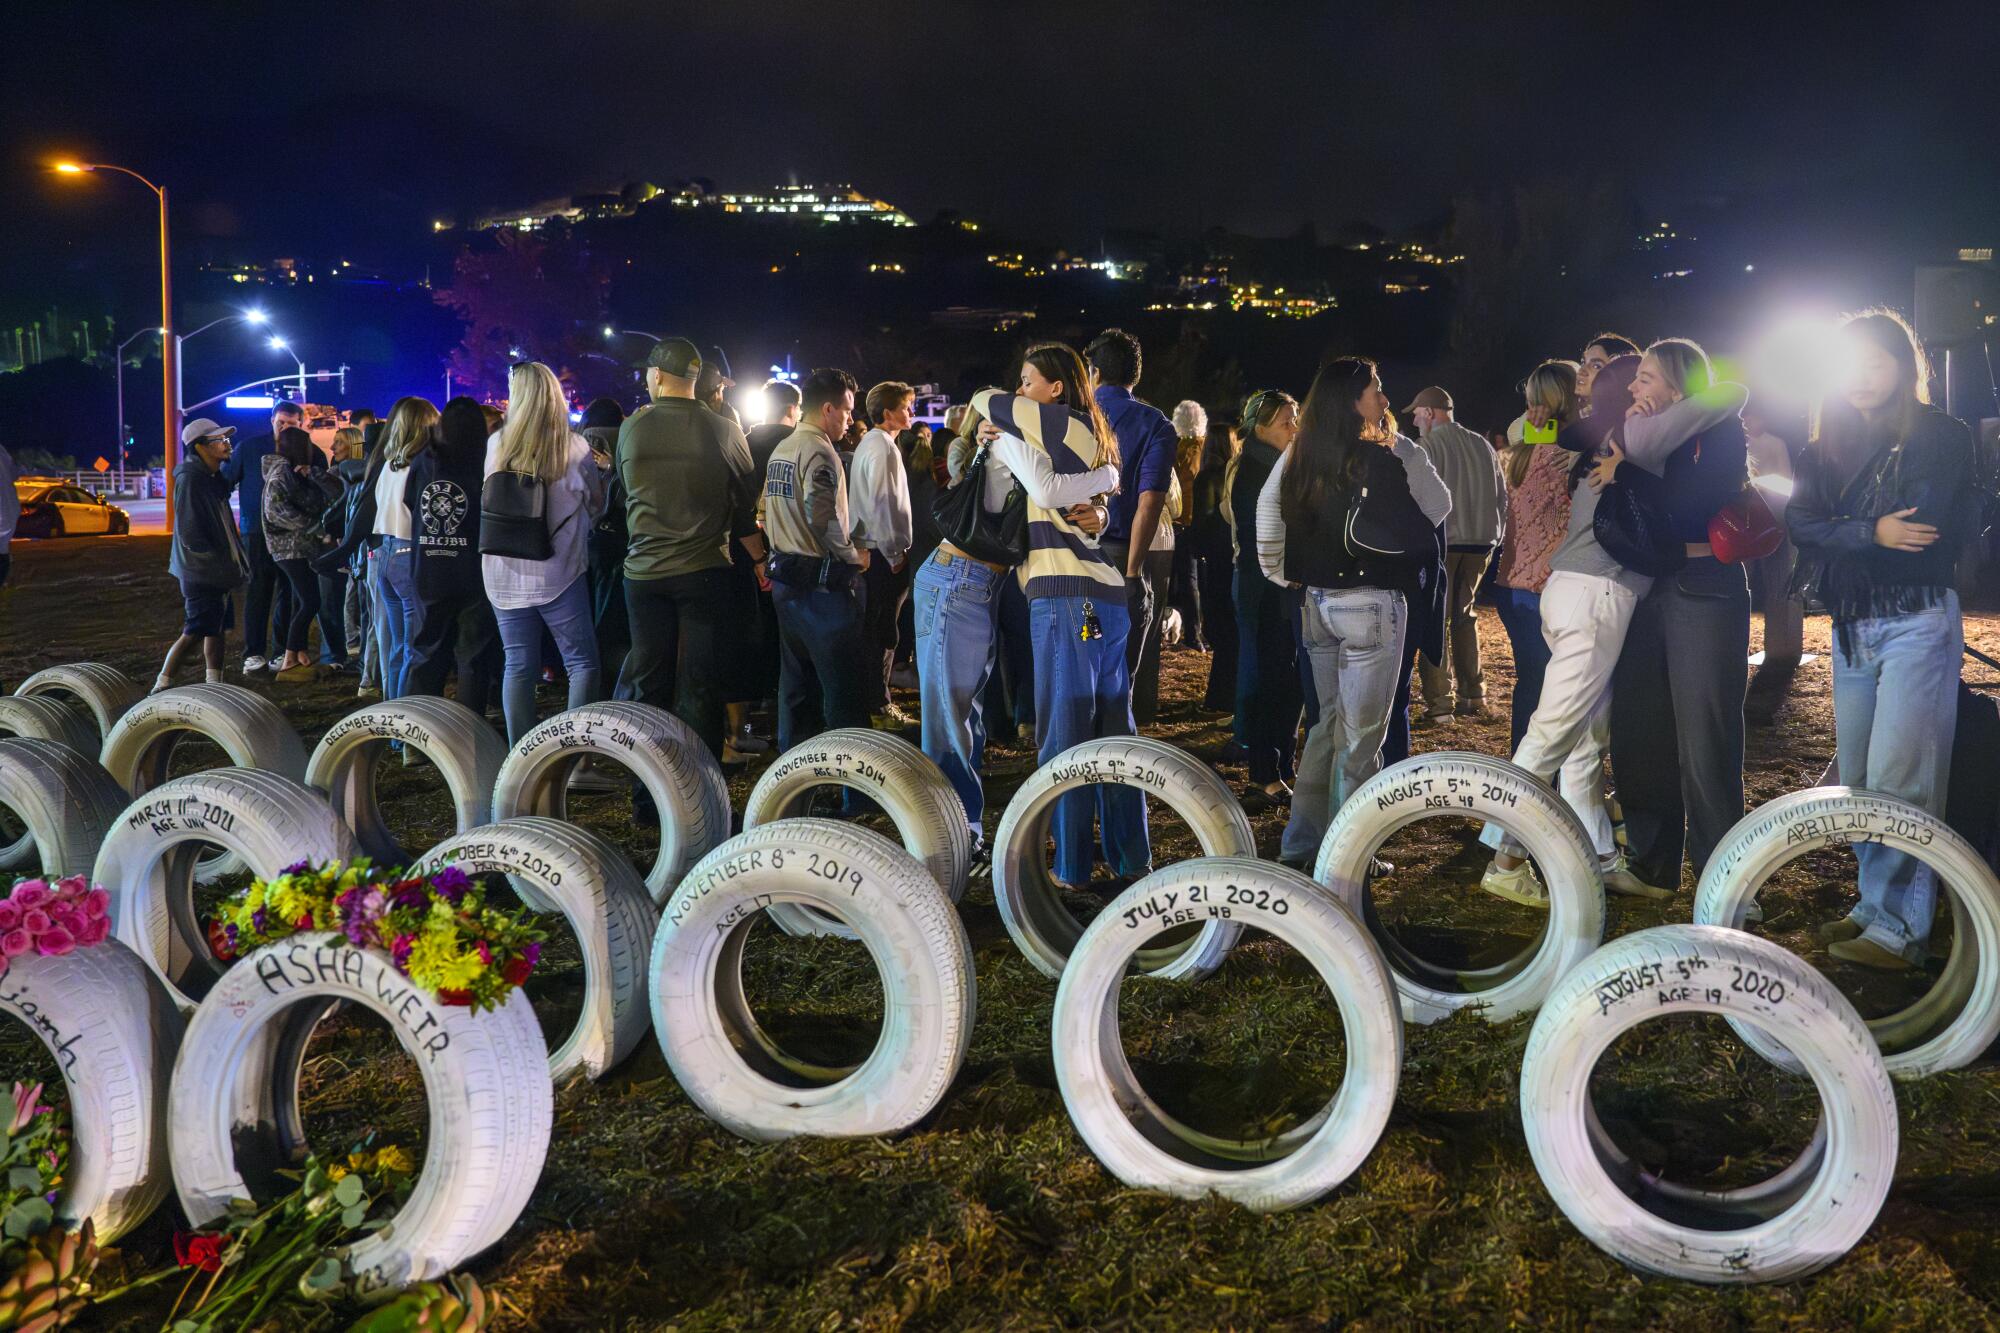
1618	878
1518	885
252	665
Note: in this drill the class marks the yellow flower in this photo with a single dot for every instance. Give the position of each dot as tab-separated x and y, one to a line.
335	1171
393	1158
437	963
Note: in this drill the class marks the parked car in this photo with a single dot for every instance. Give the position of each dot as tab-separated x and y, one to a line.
54	508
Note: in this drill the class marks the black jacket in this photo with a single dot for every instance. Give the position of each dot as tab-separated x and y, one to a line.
443	497
206	549
1832	518
1316	554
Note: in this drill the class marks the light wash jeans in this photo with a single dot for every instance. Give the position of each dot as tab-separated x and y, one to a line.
1584	619
1354	643
392	587
1895	701
958	626
569	620
1083	690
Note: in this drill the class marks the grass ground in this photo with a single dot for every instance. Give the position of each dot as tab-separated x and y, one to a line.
993	1213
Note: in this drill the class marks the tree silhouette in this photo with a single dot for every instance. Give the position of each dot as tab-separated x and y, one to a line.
537	296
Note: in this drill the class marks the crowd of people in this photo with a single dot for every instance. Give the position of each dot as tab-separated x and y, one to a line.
1023	574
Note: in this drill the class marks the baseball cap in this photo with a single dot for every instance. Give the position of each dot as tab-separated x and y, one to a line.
676	356
201	428
718	362
1431	397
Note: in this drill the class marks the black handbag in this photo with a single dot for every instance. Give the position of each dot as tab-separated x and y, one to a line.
963	520
514	517
1377	527
1633	525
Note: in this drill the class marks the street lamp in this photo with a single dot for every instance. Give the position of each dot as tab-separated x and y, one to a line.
610	332
280	345
170	362
118	374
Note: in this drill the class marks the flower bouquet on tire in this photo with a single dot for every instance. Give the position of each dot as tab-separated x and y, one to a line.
51	920
437	929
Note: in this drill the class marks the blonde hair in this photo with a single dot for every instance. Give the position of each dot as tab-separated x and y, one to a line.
412	422
353	435
1552	384
1683	364
535	436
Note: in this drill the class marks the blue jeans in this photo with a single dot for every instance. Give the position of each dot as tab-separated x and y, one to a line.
820	660
569	622
392	585
1083	690
1895	701
958	624
1521	613
1354	639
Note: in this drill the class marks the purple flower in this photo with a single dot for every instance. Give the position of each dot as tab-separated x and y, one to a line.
451	884
296	868
408	898
400	950
533	953
258	920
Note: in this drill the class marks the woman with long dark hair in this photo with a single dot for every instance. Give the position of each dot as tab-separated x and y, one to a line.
294	504
455	626
1076	599
1269	693
1881	507
1348	459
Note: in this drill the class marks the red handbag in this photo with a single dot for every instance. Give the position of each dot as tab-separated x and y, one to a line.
1745	529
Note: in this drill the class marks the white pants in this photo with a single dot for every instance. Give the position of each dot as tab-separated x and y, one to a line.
1584	618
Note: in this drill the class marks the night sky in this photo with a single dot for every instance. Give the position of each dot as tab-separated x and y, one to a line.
324	128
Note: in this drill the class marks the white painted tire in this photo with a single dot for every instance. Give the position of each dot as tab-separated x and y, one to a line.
235	1087
113	1033
251	730
1480	787
67	801
104	692
559	867
1835	1191
1030	905
43	717
1951	1026
268	821
725	1061
656	747
463	745
902	779
1147	1148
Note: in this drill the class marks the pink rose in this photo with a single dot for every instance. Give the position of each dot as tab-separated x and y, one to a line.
31	893
14	943
10	916
96	932
74	886
97	903
55	943
35	921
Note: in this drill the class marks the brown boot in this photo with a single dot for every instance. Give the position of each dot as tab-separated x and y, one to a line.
1868	953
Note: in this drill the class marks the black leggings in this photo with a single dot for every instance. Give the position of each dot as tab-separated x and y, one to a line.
305	603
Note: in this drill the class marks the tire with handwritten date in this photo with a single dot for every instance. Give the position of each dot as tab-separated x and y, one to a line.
1796	1223
903	780
463	745
252	731
558	867
1476	786
1031	906
660	750
1142	1144
66	800
486	1076
103	691
1959	1018
147	860
113	1034
725	1061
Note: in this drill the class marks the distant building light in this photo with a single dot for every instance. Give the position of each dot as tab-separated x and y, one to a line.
1975	254
248	402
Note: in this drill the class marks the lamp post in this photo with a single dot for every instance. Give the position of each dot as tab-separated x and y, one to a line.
170	361
610	333
280	345
118	375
